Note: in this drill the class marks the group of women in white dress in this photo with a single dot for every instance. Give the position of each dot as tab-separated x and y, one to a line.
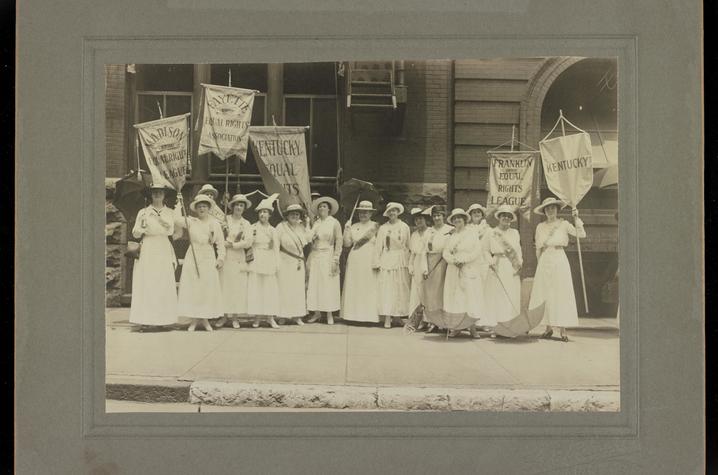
237	271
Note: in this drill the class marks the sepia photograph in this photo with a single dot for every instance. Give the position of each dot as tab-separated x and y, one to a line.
405	235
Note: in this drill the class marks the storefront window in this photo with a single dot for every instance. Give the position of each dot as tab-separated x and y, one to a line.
320	114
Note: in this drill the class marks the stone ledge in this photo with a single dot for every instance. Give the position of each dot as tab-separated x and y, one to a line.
143	390
402	398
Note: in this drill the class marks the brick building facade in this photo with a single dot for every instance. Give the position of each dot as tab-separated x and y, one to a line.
428	147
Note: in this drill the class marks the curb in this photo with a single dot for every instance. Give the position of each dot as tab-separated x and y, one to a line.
403	398
128	389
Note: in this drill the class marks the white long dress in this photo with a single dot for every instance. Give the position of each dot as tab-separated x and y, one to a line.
234	275
263	286
292	270
392	256
360	299
434	284
200	296
154	291
419	266
502	291
323	291
462	295
484	260
553	285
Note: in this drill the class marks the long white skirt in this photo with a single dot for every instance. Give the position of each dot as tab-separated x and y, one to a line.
462	294
154	291
234	278
359	302
200	296
502	302
263	290
323	288
394	289
292	292
554	287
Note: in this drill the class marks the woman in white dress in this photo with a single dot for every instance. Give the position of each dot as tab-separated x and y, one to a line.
154	291
263	286
200	294
359	300
323	291
234	275
439	234
552	292
392	260
462	294
502	290
479	226
418	268
293	235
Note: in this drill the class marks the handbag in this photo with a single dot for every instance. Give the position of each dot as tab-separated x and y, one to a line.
133	249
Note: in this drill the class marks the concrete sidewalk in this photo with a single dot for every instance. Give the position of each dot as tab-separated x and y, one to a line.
162	366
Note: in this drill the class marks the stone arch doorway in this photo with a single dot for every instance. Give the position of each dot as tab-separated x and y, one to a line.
585	89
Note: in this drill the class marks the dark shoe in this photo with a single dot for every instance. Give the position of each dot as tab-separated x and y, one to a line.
564	338
547	334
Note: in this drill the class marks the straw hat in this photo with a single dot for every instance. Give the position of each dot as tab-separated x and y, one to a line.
505	209
365	205
393	205
294	208
208	189
333	205
458	212
240	198
415	211
476	206
435	209
200	199
549	201
265	204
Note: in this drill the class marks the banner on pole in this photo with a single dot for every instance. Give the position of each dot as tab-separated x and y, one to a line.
281	155
510	180
568	166
165	143
226	115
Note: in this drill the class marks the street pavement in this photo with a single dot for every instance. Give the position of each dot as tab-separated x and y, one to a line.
362	355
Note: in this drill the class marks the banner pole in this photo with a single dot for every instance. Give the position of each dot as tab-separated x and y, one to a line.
186	223
513	135
580	265
351	216
578	240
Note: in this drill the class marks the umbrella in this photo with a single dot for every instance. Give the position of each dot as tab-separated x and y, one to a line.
450	321
131	193
606	177
353	190
522	323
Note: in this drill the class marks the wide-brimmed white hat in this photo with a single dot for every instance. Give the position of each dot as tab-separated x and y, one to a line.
240	198
476	206
333	205
265	204
200	199
294	208
208	189
365	205
458	212
393	205
505	209
549	201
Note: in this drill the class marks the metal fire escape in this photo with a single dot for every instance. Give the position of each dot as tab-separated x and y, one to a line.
371	85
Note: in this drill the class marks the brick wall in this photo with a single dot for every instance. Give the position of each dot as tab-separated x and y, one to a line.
115	120
418	153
